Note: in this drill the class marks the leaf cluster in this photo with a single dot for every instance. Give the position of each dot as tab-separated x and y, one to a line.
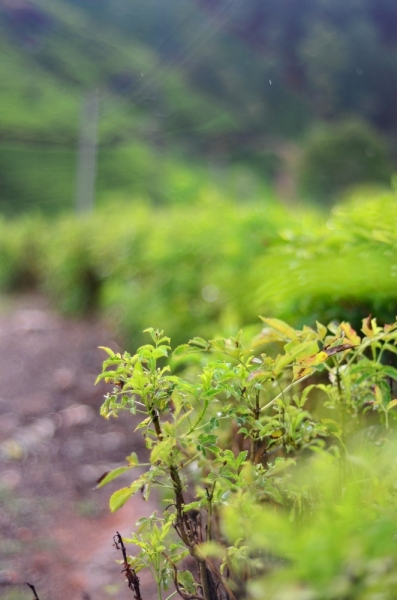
231	424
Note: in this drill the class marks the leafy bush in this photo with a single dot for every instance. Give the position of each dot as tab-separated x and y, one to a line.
347	268
22	251
271	489
212	266
184	266
338	156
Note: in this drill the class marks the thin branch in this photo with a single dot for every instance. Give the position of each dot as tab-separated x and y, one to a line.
35	596
131	576
291	385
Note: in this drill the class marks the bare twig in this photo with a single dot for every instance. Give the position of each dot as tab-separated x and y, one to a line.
131	576
35	596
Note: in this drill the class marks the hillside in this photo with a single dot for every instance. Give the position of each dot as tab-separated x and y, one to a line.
55	53
187	90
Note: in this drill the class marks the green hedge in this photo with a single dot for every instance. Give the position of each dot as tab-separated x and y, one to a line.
183	266
343	271
210	267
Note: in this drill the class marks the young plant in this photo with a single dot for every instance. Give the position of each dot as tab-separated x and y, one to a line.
235	425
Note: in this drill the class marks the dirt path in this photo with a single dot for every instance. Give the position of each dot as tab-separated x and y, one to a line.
55	531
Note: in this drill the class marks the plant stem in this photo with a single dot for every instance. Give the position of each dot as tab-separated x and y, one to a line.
254	443
291	385
204	580
159	594
156	423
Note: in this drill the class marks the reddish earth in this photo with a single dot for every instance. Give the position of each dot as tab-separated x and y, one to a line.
56	532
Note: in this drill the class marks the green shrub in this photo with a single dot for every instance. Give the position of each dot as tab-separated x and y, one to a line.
347	268
340	155
22	252
212	266
274	489
182	265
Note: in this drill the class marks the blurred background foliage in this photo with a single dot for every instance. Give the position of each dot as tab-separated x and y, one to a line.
342	544
245	159
211	266
195	88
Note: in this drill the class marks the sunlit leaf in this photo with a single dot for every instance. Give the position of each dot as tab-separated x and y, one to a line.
107	350
351	334
287	331
110	475
322	330
367	327
119	498
162	450
186	580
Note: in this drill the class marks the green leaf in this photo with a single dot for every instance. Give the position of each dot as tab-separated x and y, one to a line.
132	460
119	498
143	424
305	394
199	343
162	450
391	404
390	372
108	477
107	350
106	375
321	330
186	580
160	352
177	401
281	327
299	351
333	427
185	350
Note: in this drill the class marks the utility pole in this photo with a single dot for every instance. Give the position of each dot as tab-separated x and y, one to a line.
87	153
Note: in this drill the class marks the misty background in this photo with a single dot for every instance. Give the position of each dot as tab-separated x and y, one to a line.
294	98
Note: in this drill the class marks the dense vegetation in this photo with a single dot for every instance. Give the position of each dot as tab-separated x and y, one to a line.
273	489
232	137
211	267
194	89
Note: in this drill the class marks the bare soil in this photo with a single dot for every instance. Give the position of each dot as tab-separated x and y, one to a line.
56	531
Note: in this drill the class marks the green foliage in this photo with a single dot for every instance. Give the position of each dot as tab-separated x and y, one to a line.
344	269
210	267
183	265
22	250
47	183
178	78
271	486
342	545
41	101
340	155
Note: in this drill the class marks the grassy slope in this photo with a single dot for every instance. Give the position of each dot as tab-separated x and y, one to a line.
42	84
